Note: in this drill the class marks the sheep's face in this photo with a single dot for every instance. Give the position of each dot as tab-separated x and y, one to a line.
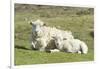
37	27
36	30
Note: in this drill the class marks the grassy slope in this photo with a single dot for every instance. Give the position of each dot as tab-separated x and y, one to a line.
80	25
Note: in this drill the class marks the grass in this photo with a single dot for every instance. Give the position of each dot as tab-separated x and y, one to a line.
81	26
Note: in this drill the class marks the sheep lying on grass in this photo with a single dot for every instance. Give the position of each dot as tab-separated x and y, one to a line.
70	45
42	36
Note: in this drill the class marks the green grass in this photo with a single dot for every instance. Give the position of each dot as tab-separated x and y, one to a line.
79	24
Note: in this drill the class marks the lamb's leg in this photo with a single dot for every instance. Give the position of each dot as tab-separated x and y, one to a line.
54	50
84	48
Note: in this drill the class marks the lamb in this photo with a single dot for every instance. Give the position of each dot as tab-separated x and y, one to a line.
70	45
42	36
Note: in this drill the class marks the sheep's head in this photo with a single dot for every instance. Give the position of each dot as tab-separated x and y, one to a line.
37	27
37	22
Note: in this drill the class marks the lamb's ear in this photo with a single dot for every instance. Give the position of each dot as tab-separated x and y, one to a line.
44	24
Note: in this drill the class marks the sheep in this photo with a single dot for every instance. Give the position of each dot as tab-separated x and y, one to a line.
42	35
70	45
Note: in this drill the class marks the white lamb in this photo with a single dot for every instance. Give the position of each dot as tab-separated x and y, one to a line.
42	36
70	45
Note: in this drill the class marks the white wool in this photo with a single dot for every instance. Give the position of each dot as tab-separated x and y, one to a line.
42	35
64	40
71	45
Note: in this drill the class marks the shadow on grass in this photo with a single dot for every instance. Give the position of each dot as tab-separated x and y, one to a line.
92	33
21	47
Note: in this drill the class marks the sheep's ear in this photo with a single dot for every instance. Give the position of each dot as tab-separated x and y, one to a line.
30	23
59	27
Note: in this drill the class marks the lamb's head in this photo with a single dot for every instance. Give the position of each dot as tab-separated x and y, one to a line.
37	27
58	40
67	35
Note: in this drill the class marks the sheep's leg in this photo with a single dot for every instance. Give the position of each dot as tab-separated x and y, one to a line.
43	46
33	45
42	49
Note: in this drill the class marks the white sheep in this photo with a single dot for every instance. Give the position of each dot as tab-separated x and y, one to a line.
42	36
70	45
